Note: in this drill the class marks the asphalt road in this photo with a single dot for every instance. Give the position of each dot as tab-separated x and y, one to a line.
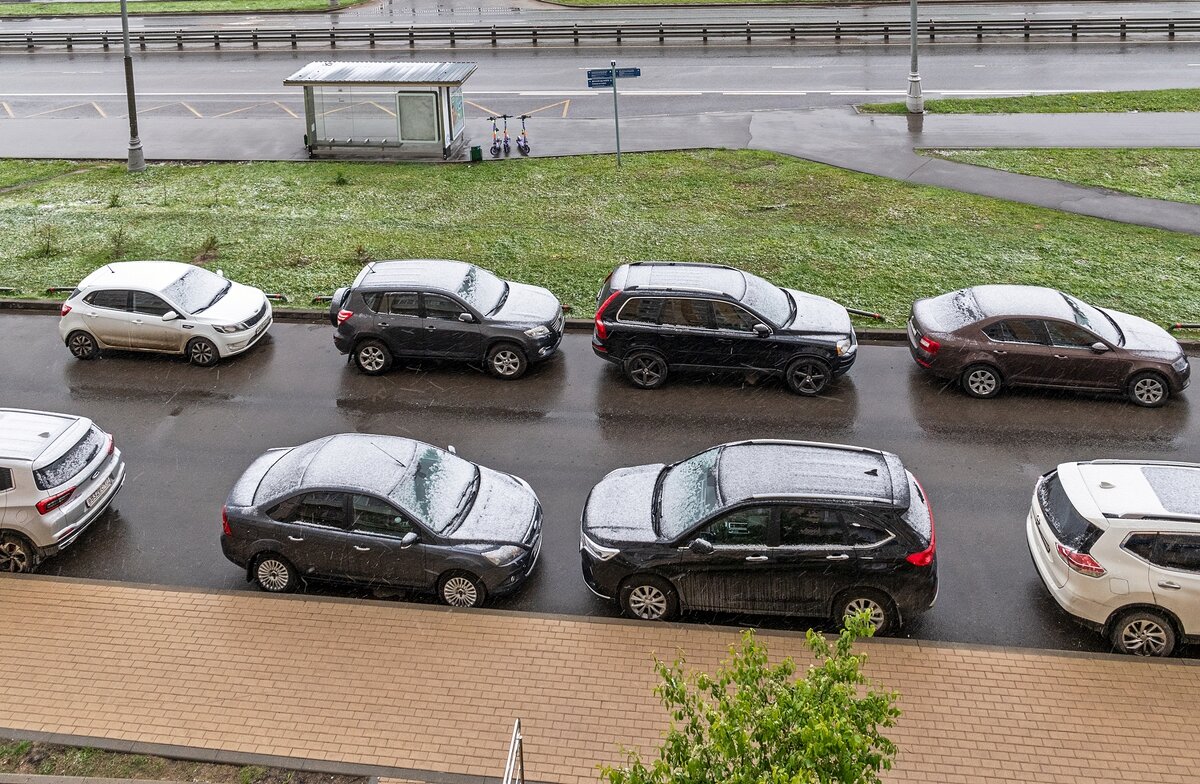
550	82
188	433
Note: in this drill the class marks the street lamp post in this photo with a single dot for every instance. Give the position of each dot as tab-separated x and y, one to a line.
137	159
915	103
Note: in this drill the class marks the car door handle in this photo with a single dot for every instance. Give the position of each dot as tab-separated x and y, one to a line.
1168	584
430	328
295	538
382	324
1060	356
838	557
999	352
137	321
361	549
757	558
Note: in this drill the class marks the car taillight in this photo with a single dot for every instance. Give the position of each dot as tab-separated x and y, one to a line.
343	315
929	344
225	523
1080	562
65	310
47	505
601	330
925	557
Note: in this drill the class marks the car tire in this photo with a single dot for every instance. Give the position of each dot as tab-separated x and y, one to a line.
1143	633
884	614
808	376
507	361
274	574
202	352
461	589
649	598
17	555
372	357
82	345
981	381
645	369
1148	390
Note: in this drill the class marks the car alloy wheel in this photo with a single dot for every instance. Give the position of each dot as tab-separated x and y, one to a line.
808	376
1148	389
878	606
877	614
16	556
981	381
506	361
274	575
371	358
462	590
1144	633
646	369
202	352
82	345
648	602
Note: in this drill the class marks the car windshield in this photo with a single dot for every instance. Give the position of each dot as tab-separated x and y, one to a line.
67	467
688	493
439	489
1095	320
483	290
197	290
768	300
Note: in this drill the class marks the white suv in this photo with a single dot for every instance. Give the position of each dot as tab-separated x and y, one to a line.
58	473
1117	544
163	306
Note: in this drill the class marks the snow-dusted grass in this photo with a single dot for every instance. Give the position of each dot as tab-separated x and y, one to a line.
1184	99
565	223
1173	175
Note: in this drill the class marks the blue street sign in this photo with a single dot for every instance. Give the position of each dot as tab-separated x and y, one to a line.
600	82
600	73
607	73
628	73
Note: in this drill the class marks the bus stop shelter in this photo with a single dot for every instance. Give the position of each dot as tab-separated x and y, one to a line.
399	109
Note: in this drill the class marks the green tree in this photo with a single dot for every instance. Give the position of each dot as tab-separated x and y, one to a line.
754	723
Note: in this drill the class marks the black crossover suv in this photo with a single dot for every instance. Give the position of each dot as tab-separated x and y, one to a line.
384	511
772	527
436	309
654	317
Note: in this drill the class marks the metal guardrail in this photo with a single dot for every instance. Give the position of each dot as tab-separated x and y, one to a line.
703	31
514	768
1180	325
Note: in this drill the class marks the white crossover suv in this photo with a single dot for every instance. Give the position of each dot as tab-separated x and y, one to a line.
1117	544
58	473
163	306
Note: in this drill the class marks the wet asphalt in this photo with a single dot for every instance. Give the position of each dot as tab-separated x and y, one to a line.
187	433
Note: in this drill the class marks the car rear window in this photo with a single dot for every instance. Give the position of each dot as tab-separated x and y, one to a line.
65	468
1069	527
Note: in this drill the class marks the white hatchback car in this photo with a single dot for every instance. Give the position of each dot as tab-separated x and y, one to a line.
58	473
1117	544
163	306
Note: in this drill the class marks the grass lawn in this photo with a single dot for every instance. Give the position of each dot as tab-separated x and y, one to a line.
306	228
1180	100
1154	173
139	7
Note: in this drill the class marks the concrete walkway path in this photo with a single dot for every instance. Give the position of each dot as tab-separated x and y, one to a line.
873	144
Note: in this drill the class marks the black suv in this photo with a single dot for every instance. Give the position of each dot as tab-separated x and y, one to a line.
773	527
444	310
653	317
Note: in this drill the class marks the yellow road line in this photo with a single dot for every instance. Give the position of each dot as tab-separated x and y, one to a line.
289	111
482	108
381	106
59	109
99	111
7	108
235	111
190	109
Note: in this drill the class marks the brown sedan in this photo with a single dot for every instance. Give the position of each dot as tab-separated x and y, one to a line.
989	337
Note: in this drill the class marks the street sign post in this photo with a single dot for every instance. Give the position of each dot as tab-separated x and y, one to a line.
607	77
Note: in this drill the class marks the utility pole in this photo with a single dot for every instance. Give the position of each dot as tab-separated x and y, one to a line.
915	103
137	159
616	117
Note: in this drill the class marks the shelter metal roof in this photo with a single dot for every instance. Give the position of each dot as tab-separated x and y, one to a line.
381	73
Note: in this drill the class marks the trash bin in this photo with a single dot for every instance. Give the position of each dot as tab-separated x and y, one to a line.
476	154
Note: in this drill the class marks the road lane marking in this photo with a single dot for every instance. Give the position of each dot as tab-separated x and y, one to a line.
96	106
564	104
190	109
482	108
59	109
289	111
7	109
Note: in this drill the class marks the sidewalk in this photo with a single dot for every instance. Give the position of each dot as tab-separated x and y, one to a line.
429	694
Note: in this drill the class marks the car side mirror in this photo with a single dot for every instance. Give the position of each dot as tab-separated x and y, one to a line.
701	547
450	448
466	318
762	330
170	315
221	273
1099	347
408	540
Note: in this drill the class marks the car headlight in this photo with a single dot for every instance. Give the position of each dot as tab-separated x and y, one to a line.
503	555
845	346
540	331
232	328
1180	364
597	551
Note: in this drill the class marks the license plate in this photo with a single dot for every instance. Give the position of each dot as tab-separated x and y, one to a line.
99	492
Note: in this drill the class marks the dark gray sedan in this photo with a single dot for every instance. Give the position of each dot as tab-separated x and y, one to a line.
384	511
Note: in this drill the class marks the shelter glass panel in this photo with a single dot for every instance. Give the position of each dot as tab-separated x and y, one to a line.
418	116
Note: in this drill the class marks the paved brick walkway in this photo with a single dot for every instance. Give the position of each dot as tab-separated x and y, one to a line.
431	691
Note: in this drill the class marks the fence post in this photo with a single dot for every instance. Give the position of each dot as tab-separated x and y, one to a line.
1122	28
575	30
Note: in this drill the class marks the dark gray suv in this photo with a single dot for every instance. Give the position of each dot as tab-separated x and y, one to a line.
436	309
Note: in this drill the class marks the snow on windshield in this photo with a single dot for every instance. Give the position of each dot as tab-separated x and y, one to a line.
767	299
433	490
1091	318
689	493
482	289
950	311
196	290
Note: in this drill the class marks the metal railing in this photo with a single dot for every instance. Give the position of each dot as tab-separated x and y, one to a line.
661	31
514	769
